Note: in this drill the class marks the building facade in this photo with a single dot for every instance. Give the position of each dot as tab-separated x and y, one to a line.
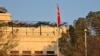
30	40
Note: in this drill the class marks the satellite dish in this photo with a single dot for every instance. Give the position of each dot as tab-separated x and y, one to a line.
3	10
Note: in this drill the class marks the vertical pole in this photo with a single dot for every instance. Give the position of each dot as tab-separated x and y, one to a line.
58	23
33	31
12	27
58	41
40	29
85	43
26	29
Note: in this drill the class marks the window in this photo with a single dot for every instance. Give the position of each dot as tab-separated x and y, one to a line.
14	53
38	52
50	52
26	53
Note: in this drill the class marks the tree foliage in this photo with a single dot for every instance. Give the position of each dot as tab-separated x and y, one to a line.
72	35
93	19
64	43
76	45
74	42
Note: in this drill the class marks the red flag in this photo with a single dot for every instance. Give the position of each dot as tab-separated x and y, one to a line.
58	16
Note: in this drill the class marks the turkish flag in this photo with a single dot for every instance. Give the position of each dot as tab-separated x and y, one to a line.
58	16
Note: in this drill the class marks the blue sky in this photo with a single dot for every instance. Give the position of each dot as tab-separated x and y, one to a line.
45	10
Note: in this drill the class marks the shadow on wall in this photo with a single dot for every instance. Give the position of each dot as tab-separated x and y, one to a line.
52	47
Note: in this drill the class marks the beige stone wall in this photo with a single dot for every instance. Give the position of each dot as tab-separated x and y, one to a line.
29	39
5	17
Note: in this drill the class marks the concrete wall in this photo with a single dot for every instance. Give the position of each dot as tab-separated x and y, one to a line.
29	39
5	17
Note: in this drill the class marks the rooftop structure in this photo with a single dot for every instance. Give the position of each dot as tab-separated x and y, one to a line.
4	15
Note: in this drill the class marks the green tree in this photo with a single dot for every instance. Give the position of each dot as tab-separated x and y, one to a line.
65	47
72	35
79	26
67	42
72	42
94	21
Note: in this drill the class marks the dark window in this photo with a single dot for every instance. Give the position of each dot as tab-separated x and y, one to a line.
40	55
26	53
14	53
50	52
51	55
38	52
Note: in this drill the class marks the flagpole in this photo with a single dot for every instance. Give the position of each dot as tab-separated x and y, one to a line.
58	23
58	40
